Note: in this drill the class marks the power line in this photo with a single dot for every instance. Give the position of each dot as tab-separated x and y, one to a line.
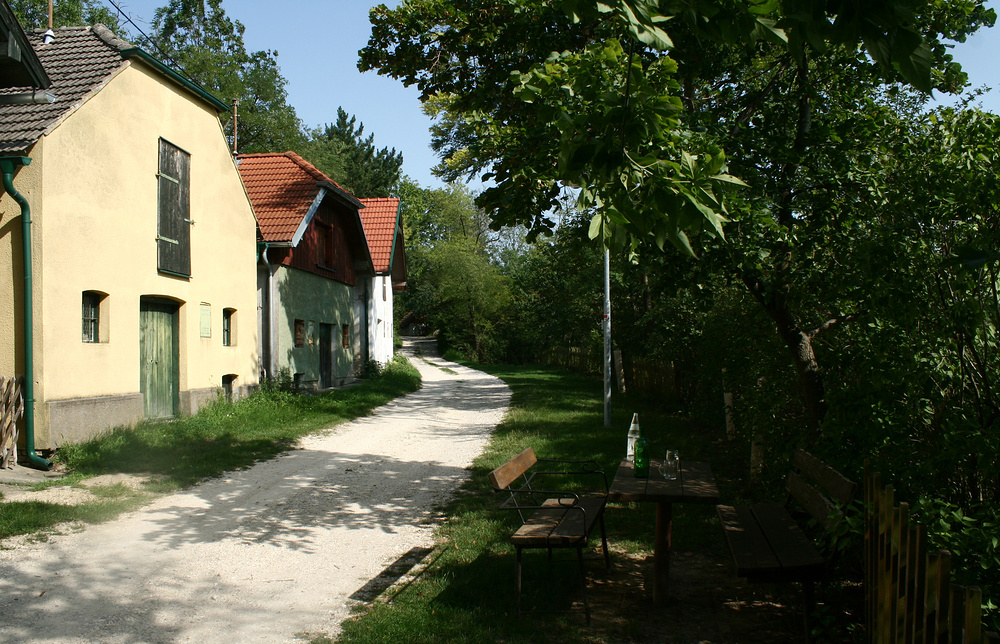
152	43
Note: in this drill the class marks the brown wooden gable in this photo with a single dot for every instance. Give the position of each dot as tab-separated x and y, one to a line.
330	246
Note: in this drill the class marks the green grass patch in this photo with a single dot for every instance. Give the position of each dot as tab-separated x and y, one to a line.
466	593
221	437
442	368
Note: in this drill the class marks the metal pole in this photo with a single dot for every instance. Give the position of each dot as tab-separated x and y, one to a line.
607	338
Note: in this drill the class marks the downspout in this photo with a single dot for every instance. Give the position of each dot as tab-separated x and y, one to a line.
265	315
7	167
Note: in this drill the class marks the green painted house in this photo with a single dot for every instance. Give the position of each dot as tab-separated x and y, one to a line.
313	268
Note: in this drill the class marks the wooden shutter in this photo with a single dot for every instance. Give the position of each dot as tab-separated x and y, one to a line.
173	239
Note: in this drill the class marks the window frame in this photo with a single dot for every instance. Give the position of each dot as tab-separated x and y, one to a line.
228	327
91	329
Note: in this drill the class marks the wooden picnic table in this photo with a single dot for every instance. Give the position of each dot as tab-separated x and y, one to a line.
695	484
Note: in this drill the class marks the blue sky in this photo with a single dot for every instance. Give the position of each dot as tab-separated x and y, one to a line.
318	40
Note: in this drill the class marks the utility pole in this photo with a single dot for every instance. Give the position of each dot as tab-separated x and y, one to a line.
236	122
607	338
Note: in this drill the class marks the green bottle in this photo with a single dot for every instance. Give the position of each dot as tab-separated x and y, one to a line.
641	466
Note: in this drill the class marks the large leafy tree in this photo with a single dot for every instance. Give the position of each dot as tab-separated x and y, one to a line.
198	37
343	152
583	93
453	282
33	14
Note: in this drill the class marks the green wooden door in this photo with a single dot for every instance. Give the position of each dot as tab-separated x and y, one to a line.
159	369
325	355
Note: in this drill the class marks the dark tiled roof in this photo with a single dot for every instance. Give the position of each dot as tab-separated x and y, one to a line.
79	61
282	186
379	218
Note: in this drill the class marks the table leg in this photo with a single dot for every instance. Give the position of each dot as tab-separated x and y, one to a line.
661	554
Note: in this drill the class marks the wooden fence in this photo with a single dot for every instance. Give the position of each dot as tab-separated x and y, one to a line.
575	359
11	408
909	595
637	374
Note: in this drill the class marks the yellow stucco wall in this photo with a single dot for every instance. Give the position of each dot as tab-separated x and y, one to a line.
94	201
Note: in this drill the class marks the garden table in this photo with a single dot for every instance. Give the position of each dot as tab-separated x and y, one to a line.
694	484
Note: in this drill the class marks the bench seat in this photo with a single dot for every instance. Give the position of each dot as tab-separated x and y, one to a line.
767	544
560	523
551	519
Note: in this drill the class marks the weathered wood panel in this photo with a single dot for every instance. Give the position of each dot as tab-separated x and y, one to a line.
11	409
159	369
909	594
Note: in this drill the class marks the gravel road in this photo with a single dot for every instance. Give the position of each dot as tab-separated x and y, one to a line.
269	554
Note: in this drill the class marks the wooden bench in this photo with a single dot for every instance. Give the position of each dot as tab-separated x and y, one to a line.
766	541
551	518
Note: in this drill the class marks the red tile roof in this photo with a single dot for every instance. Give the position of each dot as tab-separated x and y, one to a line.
282	187
380	217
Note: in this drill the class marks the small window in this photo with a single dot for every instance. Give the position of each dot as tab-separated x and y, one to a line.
300	333
384	297
228	327
205	325
346	333
92	316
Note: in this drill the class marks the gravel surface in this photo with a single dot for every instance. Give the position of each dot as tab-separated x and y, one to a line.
269	554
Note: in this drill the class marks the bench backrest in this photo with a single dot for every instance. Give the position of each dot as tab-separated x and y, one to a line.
819	488
512	470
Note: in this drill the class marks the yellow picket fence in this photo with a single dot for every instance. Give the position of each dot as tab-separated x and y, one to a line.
909	594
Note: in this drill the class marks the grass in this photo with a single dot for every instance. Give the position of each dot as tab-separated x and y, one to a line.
465	593
221	437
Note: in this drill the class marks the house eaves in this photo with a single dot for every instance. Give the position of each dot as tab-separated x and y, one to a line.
340	194
19	65
136	52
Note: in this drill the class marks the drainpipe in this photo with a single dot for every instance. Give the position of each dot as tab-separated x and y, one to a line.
265	314
7	167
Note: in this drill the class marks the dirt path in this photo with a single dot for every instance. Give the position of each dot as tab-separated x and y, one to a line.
268	554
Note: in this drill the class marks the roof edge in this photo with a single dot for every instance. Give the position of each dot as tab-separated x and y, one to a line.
136	52
342	194
304	224
24	52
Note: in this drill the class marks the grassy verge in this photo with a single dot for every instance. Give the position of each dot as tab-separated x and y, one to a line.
465	594
221	437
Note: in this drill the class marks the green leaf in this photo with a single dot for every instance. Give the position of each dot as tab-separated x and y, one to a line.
728	178
596	225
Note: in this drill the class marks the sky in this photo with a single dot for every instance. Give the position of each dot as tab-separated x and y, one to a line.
318	41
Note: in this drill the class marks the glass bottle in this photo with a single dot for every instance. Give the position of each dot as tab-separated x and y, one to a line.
641	467
633	434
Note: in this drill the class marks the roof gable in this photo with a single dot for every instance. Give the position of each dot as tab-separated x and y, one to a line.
80	61
285	191
380	218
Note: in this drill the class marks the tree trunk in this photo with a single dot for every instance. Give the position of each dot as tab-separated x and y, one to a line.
800	346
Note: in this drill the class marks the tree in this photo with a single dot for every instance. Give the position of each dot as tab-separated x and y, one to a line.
588	97
343	152
198	37
453	282
33	14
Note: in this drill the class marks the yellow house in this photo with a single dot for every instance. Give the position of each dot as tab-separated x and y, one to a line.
142	242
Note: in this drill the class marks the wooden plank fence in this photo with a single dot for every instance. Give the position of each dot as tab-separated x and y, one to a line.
11	409
633	373
909	595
